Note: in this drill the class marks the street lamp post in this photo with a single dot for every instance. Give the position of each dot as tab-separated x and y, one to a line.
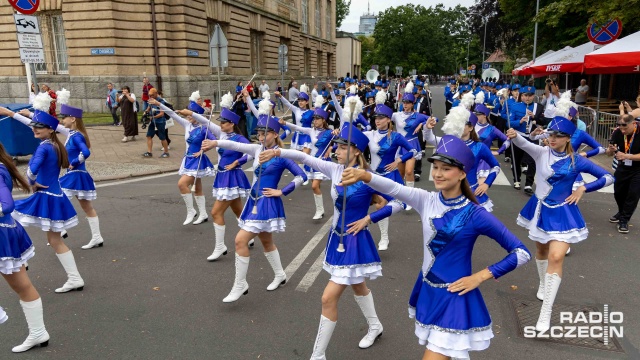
468	43
484	44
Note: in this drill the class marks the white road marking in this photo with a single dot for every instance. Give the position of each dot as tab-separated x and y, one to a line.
311	275
304	253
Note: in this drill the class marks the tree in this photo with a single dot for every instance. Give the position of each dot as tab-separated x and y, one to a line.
342	11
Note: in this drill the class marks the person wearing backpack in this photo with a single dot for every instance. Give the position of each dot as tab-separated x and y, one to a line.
158	123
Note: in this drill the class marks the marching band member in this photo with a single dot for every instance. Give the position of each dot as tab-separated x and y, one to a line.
461	123
451	317
384	144
359	260
302	117
16	249
49	208
76	181
552	215
195	164
263	213
321	147
486	134
449	91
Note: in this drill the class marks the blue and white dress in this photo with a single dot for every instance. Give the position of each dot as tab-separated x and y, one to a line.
228	184
49	209
194	135
547	215
16	247
406	125
301	117
360	259
446	322
487	134
270	216
320	144
77	182
481	153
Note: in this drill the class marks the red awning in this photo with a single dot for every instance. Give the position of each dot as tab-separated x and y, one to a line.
621	56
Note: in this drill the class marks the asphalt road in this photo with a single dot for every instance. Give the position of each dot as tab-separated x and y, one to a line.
150	293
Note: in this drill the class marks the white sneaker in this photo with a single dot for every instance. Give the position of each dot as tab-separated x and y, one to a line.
125	139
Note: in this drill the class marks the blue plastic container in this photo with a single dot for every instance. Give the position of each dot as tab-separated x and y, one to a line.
17	138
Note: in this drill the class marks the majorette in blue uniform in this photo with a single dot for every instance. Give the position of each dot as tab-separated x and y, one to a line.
457	123
384	144
450	324
320	143
49	208
16	249
487	133
549	215
350	258
195	164
302	117
77	181
262	213
231	183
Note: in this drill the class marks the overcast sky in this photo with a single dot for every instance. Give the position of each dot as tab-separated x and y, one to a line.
359	7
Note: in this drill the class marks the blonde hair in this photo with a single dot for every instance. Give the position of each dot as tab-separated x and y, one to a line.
83	130
61	152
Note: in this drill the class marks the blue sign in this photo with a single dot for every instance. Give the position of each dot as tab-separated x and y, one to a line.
103	51
606	33
194	53
485	65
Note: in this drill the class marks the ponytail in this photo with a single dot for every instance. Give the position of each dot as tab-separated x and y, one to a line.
467	192
473	135
61	152
18	180
81	128
569	150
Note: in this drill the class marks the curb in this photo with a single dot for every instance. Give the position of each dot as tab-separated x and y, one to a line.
129	176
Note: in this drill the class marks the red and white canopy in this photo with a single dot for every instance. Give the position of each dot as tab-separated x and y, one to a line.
621	56
564	61
517	70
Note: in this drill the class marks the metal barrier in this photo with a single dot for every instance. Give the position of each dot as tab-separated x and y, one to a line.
599	125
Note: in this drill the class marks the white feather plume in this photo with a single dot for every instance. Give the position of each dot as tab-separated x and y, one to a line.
266	95
304	88
226	101
502	92
264	107
381	97
195	96
467	100
42	102
564	105
455	122
409	87
63	96
346	110
319	101
353	89
480	98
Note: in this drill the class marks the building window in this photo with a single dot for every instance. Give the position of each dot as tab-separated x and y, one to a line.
256	49
319	61
55	45
328	21
318	23
307	61
305	16
329	63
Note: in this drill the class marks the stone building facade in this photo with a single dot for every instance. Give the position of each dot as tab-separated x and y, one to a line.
90	43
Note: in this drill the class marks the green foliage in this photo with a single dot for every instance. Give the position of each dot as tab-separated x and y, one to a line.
342	11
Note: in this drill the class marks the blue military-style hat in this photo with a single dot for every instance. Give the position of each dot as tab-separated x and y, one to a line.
193	106
371	94
358	139
528	90
515	87
319	113
453	151
268	123
342	86
383	110
42	119
385	85
561	126
228	115
481	108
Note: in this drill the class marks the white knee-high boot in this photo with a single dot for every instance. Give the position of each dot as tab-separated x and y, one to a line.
551	285
191	212
38	335
384	234
203	216
221	248
74	280
240	285
319	207
542	272
96	237
369	312
410	184
325	330
280	277
3	316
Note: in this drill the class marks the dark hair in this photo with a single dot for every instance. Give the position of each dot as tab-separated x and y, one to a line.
467	192
83	130
628	118
473	135
126	87
18	180
61	152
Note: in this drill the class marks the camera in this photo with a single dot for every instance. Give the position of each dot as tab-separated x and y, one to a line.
119	91
548	81
146	119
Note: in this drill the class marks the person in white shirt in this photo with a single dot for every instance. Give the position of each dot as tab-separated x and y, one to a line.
582	92
314	93
263	87
551	97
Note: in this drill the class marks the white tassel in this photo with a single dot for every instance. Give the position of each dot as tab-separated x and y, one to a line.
304	88
408	88
480	98
319	102
63	96
381	97
226	101
42	102
195	96
455	122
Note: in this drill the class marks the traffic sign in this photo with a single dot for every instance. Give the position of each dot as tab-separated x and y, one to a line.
31	41
103	51
399	70
606	33
485	65
26	24
283	59
26	7
32	56
219	54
